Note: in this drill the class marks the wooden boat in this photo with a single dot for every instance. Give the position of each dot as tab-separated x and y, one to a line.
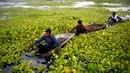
62	38
95	27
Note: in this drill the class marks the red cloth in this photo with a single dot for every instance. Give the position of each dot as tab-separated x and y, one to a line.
78	25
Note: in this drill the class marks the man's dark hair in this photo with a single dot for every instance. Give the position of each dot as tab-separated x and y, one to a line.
79	21
114	13
48	30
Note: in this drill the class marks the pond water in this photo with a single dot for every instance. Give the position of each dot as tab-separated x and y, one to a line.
37	61
111	4
22	4
78	4
119	9
7	69
3	17
85	4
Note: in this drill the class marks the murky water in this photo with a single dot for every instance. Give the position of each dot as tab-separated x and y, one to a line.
111	4
37	61
7	69
119	9
78	4
3	17
85	4
20	3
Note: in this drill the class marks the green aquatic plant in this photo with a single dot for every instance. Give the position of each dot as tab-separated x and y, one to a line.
100	51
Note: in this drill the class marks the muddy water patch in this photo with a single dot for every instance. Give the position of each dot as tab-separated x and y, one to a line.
3	17
38	7
75	5
83	4
36	61
6	3
78	4
59	0
119	9
111	4
7	69
10	4
22	5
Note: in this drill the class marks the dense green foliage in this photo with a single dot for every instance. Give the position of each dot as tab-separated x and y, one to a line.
100	51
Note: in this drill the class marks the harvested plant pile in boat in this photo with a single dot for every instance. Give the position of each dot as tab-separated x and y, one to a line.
94	27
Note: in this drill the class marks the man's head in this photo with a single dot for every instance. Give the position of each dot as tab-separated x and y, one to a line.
48	32
79	21
113	14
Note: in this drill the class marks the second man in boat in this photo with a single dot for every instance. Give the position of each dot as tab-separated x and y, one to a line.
80	28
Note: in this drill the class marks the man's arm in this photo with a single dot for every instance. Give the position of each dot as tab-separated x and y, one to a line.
73	28
37	41
40	39
86	28
119	17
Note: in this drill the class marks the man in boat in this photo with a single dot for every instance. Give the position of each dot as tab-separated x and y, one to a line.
50	43
80	28
114	19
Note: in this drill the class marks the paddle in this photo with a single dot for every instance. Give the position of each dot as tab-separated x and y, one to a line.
30	46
